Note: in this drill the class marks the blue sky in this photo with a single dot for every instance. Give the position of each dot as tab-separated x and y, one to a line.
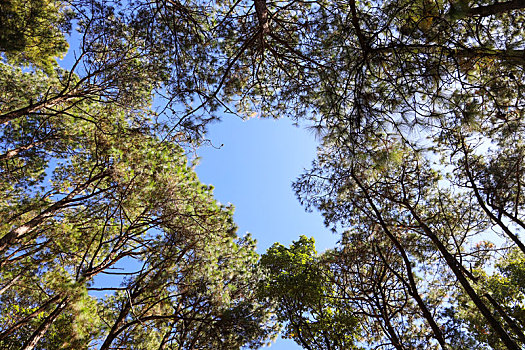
254	169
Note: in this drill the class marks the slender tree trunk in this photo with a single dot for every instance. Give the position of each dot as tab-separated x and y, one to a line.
494	9
44	326
113	333
15	152
438	335
514	56
515	328
28	318
390	330
456	269
9	284
32	108
509	216
15	234
262	15
481	202
363	42
392	335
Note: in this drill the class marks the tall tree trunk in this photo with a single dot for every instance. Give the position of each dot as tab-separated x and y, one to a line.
438	335
494	9
33	108
456	269
515	328
44	326
15	234
15	152
9	284
46	305
113	333
481	202
386	320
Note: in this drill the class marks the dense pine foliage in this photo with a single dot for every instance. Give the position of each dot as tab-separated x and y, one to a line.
419	108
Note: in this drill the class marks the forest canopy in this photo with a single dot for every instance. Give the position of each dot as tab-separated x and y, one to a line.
418	106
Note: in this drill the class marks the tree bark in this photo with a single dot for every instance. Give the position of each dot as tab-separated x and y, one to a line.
262	15
32	108
456	269
421	304
494	9
22	230
113	333
481	202
42	329
515	328
15	152
9	284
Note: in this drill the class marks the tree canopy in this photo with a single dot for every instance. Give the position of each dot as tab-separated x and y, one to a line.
419	108
94	184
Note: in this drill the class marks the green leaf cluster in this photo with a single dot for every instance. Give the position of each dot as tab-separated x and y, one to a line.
302	289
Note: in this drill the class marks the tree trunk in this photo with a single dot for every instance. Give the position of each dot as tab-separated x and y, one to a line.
42	329
15	152
494	9
456	269
413	287
113	333
15	234
481	202
515	328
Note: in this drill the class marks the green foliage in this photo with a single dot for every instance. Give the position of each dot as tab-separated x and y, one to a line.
305	299
123	195
91	180
419	107
32	32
